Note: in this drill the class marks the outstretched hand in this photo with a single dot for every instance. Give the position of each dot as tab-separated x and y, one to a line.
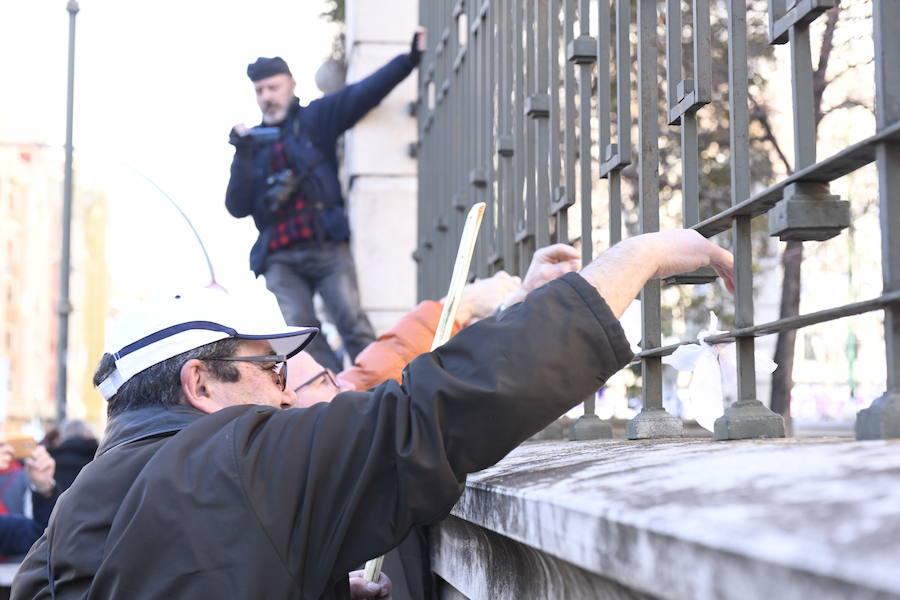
547	264
621	272
481	298
682	250
550	262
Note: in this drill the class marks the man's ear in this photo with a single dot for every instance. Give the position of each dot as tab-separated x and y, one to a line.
195	380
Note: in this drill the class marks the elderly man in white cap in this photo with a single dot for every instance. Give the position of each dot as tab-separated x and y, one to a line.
204	487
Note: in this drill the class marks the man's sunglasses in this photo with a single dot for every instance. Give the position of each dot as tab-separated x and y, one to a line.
279	368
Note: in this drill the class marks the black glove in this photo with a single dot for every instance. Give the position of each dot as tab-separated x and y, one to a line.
238	140
414	54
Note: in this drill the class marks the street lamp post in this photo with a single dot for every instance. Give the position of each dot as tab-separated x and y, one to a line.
64	307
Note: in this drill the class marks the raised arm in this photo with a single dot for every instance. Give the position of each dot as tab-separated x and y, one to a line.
354	475
344	108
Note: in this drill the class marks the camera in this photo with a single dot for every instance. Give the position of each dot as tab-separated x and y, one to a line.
280	187
263	135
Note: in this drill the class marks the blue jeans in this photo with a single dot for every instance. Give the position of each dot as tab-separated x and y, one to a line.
294	275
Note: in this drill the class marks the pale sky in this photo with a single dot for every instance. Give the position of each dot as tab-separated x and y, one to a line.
158	86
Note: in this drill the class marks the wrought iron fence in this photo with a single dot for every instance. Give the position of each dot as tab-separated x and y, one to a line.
495	126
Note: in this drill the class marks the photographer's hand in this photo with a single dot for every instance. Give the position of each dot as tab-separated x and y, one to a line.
238	134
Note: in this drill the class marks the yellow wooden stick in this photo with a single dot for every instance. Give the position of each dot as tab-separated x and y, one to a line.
448	315
460	274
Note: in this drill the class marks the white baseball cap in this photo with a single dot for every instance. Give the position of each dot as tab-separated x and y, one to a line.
159	330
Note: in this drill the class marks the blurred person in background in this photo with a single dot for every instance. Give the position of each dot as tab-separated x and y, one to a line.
75	448
29	495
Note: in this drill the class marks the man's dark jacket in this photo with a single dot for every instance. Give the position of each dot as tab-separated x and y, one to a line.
310	136
254	502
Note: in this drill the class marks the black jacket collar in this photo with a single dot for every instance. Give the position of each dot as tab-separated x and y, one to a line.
139	423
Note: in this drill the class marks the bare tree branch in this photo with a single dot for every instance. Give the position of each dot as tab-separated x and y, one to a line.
819	80
761	116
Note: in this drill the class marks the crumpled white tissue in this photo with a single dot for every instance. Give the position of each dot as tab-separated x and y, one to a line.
713	385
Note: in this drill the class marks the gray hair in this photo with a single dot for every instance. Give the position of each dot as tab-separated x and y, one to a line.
74	428
160	385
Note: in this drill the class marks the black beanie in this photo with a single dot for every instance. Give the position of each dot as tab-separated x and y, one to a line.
266	67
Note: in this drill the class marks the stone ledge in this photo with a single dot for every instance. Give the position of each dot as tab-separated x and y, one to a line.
700	519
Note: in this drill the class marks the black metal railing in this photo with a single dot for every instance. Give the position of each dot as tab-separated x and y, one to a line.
495	125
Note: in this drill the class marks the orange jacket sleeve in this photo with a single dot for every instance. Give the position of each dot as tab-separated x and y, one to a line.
385	358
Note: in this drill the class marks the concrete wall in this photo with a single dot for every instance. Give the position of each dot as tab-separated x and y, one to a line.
382	177
679	519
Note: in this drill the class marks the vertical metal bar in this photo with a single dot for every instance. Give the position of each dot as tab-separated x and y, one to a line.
747	418
653	421
64	308
690	170
542	126
585	65
453	98
804	104
623	116
462	95
623	80
491	54
561	226
525	236
882	419
702	78
506	141
702	55
520	141
648	189
583	52
422	163
740	189
480	179
486	59
603	105
569	118
673	52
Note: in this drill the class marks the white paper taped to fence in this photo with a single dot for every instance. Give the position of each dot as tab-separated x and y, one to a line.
631	324
714	382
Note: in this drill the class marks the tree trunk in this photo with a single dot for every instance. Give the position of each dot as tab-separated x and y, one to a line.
782	378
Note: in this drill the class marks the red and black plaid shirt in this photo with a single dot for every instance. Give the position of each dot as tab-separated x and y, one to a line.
294	219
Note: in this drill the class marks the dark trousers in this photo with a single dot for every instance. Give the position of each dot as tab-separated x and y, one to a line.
294	275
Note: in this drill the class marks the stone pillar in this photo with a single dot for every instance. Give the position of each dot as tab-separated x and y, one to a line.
381	174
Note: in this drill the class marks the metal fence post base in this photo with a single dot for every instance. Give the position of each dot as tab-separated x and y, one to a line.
653	423
749	419
590	427
880	421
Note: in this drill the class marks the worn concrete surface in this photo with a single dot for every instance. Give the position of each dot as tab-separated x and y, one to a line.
811	518
498	568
